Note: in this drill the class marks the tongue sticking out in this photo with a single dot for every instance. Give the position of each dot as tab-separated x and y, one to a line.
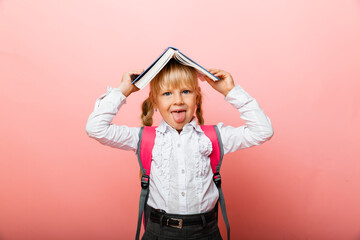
179	117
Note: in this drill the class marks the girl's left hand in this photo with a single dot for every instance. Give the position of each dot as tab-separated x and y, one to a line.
225	84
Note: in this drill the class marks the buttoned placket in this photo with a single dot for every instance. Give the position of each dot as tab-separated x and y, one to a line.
181	172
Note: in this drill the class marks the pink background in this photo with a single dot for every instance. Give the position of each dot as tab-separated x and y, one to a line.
299	59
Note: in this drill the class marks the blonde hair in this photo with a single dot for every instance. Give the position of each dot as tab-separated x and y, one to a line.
173	75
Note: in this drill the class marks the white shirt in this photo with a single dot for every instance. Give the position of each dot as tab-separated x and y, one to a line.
181	176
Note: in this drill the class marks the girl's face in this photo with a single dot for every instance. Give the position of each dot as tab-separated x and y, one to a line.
176	105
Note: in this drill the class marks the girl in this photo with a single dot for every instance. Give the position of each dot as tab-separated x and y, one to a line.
181	178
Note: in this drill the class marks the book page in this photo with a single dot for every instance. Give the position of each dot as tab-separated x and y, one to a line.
188	62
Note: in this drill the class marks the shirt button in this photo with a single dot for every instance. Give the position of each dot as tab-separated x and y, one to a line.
182	171
178	145
182	194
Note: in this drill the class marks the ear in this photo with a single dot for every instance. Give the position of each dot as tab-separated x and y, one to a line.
198	95
154	103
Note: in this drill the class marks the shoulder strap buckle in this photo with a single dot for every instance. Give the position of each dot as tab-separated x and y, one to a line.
217	179
145	181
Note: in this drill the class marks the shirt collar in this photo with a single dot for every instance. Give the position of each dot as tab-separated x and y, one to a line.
164	126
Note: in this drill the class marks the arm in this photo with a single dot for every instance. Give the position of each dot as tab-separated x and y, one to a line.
99	124
258	128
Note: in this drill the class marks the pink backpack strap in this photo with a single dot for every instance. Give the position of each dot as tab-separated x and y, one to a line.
146	144
212	132
216	157
144	153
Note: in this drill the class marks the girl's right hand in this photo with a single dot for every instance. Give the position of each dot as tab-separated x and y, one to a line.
125	85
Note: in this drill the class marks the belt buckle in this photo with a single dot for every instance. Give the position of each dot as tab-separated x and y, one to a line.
174	226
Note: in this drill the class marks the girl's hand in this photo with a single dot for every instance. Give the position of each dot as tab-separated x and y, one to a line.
225	84
125	85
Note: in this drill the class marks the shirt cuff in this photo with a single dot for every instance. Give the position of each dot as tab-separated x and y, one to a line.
112	95
115	95
238	97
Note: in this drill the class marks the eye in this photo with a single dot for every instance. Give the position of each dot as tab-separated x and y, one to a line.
166	93
186	91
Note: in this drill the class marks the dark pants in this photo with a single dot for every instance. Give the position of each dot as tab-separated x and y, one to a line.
205	231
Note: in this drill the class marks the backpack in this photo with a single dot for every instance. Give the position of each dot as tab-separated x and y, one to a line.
144	153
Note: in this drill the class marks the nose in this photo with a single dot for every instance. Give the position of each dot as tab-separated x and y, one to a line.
178	99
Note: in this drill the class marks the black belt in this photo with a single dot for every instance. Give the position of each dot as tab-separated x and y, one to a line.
178	221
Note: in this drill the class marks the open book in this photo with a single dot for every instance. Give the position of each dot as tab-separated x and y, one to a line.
145	77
